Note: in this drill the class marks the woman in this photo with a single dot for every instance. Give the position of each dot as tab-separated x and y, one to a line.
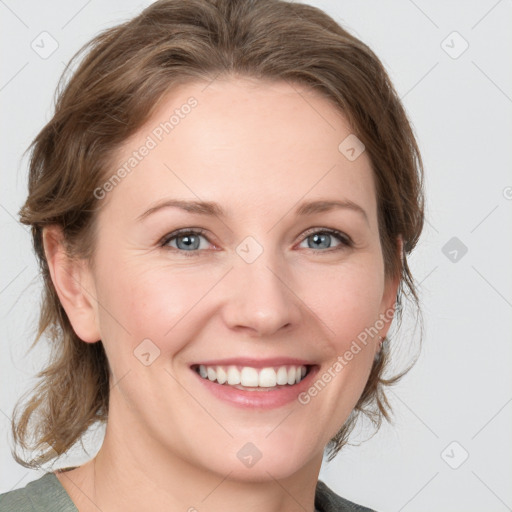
222	206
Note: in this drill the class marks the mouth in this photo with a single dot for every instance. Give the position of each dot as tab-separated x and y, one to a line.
251	378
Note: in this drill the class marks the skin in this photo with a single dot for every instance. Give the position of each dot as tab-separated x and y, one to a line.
258	149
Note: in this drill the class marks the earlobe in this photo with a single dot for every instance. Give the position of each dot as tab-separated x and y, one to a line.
73	283
389	303
389	298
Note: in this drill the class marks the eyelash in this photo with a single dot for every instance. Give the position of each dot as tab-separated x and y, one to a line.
345	240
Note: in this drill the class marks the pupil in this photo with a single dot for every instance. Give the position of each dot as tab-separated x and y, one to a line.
319	238
189	241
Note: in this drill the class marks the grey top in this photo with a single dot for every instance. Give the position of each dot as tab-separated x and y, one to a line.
46	494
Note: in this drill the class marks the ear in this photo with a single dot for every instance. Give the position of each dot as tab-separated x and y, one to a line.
390	294
74	285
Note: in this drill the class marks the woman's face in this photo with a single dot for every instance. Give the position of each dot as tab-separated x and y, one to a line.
256	285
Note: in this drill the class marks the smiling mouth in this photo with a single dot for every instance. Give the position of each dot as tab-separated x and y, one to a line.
248	378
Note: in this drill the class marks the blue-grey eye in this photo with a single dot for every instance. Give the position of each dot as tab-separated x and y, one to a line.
323	239
188	241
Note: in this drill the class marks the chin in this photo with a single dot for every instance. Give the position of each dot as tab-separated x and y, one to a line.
264	459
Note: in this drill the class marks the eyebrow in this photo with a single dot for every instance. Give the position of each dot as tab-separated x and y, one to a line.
210	208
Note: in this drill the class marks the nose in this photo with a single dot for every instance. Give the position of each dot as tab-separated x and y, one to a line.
261	298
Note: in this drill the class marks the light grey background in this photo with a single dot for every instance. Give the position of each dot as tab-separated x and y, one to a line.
460	105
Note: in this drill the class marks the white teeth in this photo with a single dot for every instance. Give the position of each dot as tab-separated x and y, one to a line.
291	375
221	375
267	378
249	376
212	375
252	377
233	376
282	375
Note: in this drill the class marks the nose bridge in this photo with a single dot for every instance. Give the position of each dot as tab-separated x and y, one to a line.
260	297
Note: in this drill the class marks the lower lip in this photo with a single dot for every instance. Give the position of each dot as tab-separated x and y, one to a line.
261	399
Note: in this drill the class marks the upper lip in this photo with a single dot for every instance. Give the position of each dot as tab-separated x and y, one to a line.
256	363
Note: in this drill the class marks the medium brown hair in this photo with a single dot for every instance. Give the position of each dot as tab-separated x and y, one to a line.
123	74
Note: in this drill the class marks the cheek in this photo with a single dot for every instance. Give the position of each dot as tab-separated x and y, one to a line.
170	303
347	298
155	298
149	303
349	309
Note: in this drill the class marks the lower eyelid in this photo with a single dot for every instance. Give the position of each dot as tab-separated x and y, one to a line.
168	239
344	240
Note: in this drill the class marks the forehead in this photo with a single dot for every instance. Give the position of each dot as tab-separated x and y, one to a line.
245	143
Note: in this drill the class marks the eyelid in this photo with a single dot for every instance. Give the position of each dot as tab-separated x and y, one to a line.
183	231
330	231
345	240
